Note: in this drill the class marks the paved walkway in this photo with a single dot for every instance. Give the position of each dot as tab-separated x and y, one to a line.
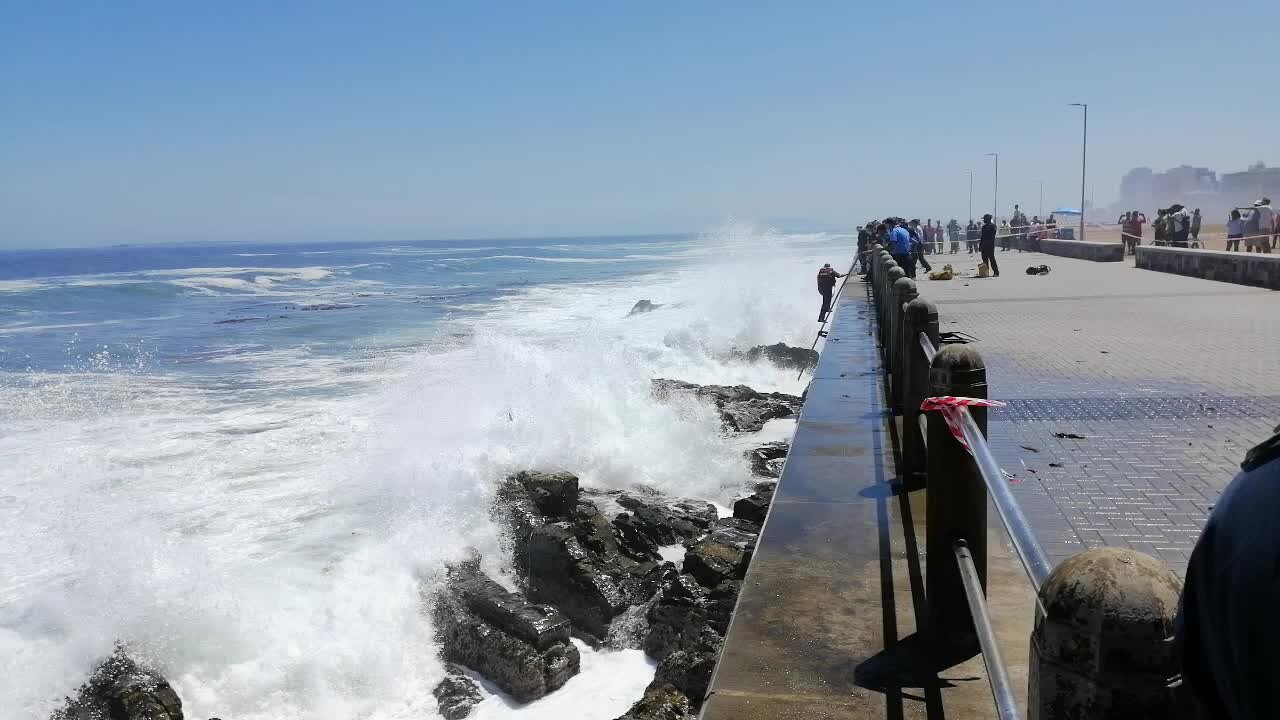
1169	379
826	625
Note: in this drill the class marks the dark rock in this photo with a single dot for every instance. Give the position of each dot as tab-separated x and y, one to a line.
456	694
233	321
689	671
539	625
522	648
767	460
784	356
661	702
634	539
668	522
642	306
741	408
724	554
527	499
677	615
721	601
754	507
563	572
121	689
329	306
554	494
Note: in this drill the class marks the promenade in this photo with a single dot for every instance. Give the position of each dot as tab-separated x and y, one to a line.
1132	397
1169	379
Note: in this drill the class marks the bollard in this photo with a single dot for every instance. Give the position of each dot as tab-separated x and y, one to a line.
887	265
1103	649
904	291
956	502
893	275
921	317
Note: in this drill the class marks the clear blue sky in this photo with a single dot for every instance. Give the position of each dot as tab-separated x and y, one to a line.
169	121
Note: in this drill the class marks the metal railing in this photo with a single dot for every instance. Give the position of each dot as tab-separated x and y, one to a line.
960	481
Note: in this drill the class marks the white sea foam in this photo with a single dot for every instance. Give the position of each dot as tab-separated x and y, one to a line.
269	546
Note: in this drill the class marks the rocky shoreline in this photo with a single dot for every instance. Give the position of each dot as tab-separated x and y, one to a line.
583	574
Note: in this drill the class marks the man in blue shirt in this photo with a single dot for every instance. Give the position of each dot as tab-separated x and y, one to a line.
900	247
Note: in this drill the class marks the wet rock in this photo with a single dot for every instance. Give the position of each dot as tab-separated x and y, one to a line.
634	539
767	460
564	573
742	409
668	522
755	506
554	493
329	306
526	501
521	647
677	615
721	601
784	356
642	306
456	695
660	702
122	689
724	554
689	671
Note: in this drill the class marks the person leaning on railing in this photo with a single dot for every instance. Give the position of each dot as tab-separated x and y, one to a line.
1228	628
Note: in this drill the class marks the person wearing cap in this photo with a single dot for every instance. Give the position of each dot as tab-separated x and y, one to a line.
1259	225
987	245
827	277
1228	631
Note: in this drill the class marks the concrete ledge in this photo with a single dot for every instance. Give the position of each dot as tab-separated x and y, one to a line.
1256	269
1240	268
1097	252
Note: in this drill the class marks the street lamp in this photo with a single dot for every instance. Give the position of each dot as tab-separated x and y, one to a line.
1041	215
971	194
995	192
1084	157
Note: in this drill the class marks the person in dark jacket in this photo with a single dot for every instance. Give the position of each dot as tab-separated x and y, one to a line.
971	236
1228	629
987	244
827	277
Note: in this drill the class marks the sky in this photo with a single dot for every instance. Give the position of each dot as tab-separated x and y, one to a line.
129	122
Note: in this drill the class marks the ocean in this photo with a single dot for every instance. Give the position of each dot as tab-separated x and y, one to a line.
252	462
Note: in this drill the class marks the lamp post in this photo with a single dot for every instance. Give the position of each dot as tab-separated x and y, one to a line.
971	193
1041	215
1084	157
995	191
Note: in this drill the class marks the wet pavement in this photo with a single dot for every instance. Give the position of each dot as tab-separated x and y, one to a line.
826	625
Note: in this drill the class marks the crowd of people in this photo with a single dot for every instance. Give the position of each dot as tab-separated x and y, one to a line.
909	242
1257	226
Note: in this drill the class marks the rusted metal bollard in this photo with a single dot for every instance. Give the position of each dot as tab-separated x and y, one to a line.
904	291
956	505
921	317
1103	647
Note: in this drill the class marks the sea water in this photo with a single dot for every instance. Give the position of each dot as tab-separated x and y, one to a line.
252	462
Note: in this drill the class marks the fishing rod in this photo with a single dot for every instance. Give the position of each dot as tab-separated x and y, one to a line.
822	331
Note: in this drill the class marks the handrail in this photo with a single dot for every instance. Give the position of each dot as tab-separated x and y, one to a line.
997	673
927	345
1032	556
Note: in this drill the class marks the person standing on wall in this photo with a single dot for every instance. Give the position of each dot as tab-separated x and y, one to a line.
827	277
987	244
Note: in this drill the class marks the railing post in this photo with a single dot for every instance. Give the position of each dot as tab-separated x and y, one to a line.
904	291
956	504
922	317
1102	649
891	276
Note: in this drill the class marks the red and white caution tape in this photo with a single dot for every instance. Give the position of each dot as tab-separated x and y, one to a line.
950	406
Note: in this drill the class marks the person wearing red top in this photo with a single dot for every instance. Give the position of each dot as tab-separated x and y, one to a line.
1133	231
